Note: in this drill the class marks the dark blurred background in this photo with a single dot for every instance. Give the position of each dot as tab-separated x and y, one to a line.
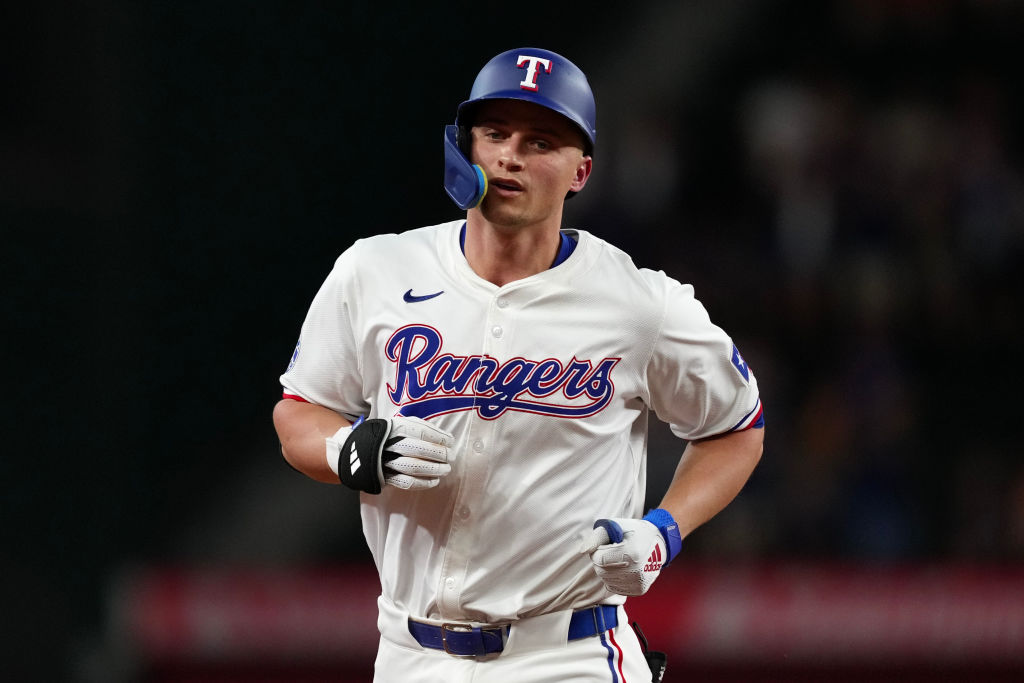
841	181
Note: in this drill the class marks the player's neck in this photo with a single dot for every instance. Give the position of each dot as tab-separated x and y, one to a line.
503	255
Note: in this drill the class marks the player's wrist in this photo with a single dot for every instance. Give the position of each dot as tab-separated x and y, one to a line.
662	519
336	441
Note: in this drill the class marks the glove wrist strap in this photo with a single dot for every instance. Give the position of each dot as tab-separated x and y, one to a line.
336	441
669	530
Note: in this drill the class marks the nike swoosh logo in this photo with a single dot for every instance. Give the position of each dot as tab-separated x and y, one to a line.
412	298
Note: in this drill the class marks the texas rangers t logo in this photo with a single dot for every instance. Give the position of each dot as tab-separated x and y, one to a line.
530	82
428	382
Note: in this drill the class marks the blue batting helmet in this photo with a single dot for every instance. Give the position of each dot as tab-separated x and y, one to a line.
529	74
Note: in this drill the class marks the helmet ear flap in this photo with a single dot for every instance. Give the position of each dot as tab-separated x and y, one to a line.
464	140
465	182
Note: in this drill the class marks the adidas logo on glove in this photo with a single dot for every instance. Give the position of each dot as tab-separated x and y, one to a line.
654	561
616	546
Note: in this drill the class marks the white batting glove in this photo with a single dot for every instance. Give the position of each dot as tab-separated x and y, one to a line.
629	554
404	452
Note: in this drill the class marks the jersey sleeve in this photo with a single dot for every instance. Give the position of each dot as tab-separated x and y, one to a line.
325	368
697	379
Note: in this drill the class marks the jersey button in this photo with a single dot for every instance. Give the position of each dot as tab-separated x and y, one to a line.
463	512
496	331
449	583
478	446
502	303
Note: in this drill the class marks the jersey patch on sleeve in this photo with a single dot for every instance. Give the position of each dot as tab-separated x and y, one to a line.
295	356
737	361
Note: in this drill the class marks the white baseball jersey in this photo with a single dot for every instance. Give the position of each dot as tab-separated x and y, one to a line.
546	384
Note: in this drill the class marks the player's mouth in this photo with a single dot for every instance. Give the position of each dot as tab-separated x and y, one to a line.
506	186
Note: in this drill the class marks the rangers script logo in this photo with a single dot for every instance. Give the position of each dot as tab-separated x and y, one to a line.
429	382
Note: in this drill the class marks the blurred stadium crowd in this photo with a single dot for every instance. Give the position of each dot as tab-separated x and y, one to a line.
849	203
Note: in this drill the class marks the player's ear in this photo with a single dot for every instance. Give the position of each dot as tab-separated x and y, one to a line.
583	169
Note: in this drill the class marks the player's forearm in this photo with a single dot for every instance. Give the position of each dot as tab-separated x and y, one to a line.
302	429
710	474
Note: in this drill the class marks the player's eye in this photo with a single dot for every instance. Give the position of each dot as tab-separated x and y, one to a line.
544	144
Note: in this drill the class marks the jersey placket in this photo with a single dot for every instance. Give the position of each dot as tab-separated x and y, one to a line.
476	462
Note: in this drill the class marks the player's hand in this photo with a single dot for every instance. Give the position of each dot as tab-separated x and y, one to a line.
629	554
404	452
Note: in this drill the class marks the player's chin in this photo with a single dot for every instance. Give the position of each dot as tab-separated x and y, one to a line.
500	213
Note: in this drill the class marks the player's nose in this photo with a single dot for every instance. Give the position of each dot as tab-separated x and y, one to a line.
510	156
510	160
510	163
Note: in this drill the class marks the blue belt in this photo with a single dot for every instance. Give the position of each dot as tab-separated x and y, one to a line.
475	641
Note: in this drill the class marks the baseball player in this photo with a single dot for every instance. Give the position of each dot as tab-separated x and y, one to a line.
485	384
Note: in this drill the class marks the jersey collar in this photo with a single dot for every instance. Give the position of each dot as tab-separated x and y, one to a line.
565	249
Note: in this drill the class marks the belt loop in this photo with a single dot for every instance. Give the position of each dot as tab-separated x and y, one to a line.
597	611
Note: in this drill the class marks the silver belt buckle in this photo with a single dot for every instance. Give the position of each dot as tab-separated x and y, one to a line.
500	630
457	628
